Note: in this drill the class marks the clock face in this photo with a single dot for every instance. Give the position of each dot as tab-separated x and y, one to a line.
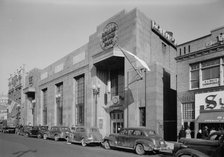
109	36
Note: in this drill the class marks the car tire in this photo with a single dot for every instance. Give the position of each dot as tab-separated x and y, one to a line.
83	142
139	149
189	153
39	136
45	136
106	144
56	137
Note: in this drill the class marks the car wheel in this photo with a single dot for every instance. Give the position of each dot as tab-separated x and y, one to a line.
83	142
139	149
45	136
39	136
189	153
56	137
106	144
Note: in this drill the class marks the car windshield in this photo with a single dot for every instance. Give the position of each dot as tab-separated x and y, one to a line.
44	127
65	129
150	132
94	130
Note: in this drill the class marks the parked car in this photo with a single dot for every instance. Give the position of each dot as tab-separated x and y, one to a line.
138	139
42	129
213	146
30	131
57	133
84	135
8	129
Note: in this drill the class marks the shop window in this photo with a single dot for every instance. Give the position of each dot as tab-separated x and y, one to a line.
44	91
210	73
142	116
184	50
80	99
194	76
59	103
30	80
189	48
223	70
117	83
180	51
188	111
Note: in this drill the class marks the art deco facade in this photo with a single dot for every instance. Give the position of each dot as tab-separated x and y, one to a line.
97	85
200	83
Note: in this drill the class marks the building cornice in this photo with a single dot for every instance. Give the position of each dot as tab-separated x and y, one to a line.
199	53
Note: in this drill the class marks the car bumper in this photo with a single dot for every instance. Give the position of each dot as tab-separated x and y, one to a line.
90	140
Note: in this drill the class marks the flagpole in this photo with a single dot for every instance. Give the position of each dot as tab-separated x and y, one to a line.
130	62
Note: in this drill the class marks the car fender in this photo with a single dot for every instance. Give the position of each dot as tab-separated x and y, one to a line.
148	145
178	146
108	138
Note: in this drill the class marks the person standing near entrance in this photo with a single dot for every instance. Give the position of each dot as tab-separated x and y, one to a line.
205	132
182	133
188	133
199	134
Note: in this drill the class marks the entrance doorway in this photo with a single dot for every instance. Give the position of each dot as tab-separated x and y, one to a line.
117	121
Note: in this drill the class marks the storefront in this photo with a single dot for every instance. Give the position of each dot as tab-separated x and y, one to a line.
209	110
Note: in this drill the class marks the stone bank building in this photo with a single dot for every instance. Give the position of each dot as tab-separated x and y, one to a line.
97	85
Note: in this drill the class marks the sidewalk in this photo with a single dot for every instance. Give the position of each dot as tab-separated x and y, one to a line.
10	149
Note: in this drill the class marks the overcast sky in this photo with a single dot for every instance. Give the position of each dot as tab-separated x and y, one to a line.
39	32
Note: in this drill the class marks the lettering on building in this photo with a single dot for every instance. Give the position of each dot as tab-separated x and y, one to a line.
209	101
109	36
168	36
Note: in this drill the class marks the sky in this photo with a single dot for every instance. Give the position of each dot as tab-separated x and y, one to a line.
36	33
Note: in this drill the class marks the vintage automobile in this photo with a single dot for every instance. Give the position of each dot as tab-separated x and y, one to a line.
57	133
84	135
213	146
138	139
32	131
41	131
8	129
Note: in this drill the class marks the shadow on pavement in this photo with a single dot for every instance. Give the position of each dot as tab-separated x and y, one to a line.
21	153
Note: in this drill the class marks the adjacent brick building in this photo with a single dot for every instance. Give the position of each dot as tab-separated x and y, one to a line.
200	82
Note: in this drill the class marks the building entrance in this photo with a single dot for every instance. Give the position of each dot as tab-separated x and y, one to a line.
117	121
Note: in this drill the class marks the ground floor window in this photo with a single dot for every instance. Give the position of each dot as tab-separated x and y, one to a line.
142	116
44	91
188	111
117	121
80	99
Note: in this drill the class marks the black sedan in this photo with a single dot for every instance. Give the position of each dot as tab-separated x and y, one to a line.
213	146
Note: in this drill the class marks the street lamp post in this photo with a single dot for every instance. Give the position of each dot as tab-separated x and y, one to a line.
96	92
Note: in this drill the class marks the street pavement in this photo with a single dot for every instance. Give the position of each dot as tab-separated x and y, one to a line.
12	145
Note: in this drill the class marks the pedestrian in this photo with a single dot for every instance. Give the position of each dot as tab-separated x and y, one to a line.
182	133
188	133
212	130
205	132
199	134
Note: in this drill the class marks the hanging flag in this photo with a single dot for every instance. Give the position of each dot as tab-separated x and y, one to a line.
143	63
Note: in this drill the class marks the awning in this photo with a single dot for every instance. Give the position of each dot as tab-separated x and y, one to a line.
211	117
